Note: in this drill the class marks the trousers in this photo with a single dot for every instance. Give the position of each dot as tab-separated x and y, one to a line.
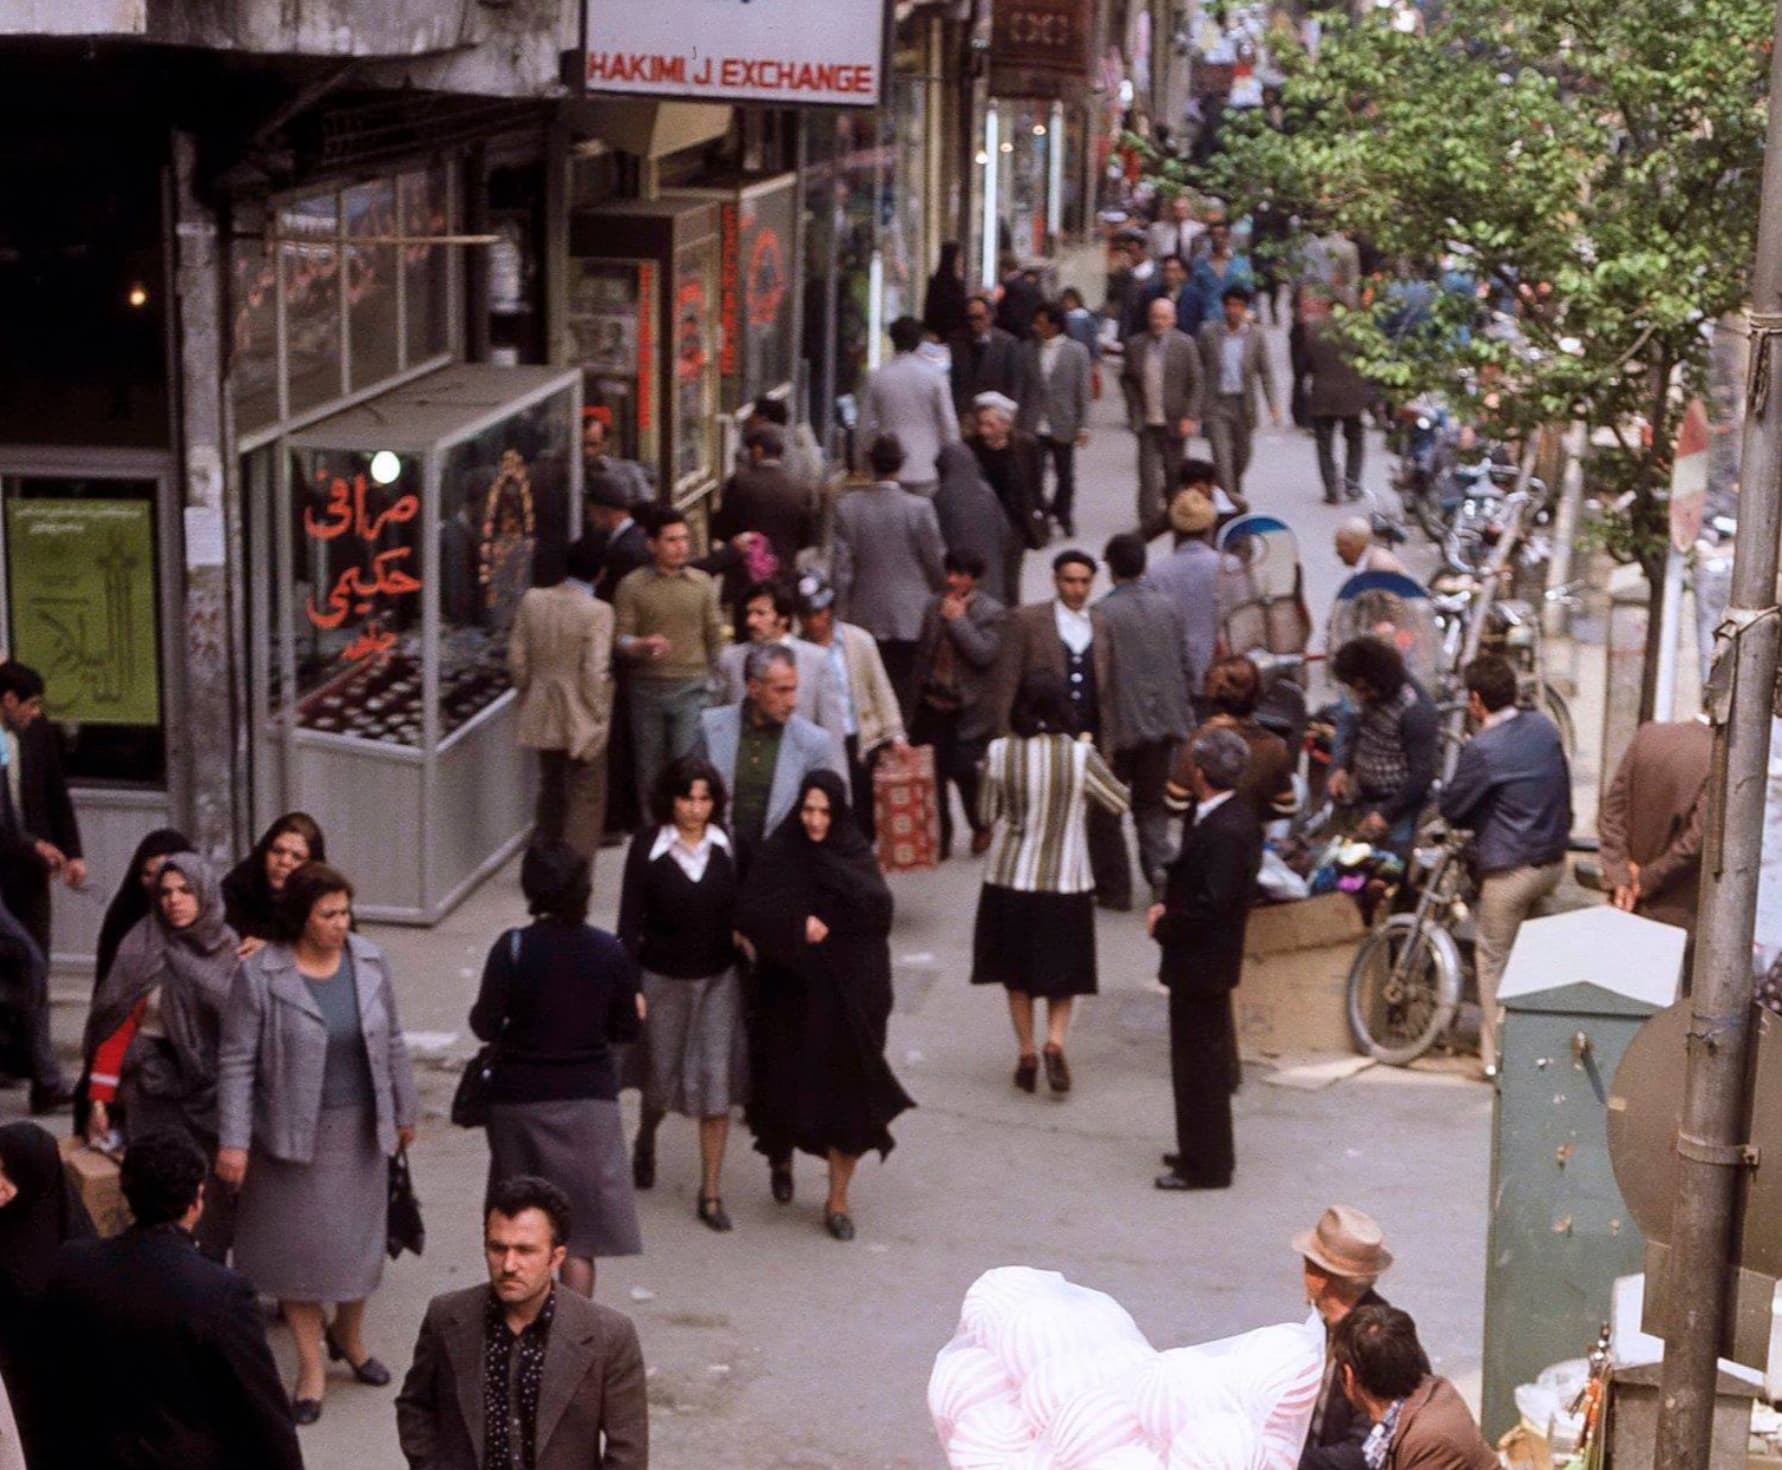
1063	454
1324	428
1160	453
899	658
572	800
1144	770
955	764
664	727
1228	430
1200	1049
1506	898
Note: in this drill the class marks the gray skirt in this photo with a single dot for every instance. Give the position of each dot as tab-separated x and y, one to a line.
316	1232
696	1049
579	1145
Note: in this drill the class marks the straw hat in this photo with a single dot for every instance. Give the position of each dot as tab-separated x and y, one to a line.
1191	513
1345	1242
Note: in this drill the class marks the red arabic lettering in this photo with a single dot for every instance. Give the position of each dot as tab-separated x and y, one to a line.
375	639
346	504
354	592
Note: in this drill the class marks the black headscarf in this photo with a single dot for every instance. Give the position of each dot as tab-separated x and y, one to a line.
249	904
44	1213
130	904
943	307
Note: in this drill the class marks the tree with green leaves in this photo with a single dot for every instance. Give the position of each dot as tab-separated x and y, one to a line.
1591	165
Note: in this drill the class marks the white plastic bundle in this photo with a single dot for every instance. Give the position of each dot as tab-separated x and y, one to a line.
1047	1375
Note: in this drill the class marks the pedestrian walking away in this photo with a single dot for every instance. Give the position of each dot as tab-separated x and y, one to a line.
818	913
1200	928
908	399
189	1380
943	304
1337	397
559	655
677	919
1190	578
1163	382
972	520
1035	929
766	499
156	1025
519	1372
557	996
1512	789
1056	410
315	1092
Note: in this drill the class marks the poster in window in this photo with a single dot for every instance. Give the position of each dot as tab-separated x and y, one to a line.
82	583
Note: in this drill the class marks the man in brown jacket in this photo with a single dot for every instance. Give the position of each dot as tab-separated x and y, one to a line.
560	656
569	1373
1420	1421
1650	824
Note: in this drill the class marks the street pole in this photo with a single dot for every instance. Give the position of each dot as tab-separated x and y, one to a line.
1715	1105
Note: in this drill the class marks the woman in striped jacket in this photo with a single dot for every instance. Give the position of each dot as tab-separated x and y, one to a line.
1035	932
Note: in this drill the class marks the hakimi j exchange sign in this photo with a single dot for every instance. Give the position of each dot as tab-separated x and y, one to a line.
786	53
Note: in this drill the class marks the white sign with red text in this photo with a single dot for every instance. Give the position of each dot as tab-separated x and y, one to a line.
789	53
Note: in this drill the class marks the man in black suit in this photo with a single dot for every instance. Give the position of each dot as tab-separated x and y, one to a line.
158	1356
986	359
39	842
611	518
1200	925
1342	1256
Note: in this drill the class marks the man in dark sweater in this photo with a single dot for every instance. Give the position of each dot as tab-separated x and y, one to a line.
1512	788
1384	760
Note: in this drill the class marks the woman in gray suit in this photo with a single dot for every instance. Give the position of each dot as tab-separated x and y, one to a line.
315	1093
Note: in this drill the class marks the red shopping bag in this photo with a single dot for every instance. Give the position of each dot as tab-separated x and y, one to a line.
905	811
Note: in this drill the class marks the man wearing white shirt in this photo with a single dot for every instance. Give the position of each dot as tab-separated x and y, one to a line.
1056	408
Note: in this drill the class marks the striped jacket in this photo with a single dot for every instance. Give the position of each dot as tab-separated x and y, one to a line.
1040	787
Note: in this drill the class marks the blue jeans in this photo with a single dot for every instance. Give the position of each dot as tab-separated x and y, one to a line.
664	727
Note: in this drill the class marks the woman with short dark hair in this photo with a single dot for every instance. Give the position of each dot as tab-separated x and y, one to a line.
251	889
315	1093
677	915
556	996
1035	931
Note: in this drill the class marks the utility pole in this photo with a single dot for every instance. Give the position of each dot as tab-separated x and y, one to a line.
1716	1107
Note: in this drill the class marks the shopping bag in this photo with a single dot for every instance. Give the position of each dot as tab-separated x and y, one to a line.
905	811
95	1177
404	1230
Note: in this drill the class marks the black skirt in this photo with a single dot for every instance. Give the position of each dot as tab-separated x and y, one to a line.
1038	943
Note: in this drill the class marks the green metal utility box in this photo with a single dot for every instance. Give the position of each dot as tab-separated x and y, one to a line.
1577	988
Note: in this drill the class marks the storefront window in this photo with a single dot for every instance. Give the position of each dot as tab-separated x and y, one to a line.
310	262
254	371
426	269
372	294
81	589
766	224
695	362
612	315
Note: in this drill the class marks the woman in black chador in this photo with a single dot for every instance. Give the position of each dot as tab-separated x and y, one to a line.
818	913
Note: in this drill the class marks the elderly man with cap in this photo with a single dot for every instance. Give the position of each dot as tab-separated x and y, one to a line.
1014	465
1343	1255
1189	577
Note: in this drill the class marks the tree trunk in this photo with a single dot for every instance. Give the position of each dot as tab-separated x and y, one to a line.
1654	574
1652	530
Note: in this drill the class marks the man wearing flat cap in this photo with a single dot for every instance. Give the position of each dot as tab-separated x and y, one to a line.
1013	464
1189	577
1343	1255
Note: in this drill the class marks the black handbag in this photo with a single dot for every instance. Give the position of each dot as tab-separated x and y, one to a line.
470	1103
404	1227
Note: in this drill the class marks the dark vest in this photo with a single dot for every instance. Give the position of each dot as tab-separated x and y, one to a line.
1079	680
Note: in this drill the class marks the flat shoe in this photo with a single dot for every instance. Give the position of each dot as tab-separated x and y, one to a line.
1057	1069
370	1372
840	1226
780	1180
1027	1073
711	1213
305	1411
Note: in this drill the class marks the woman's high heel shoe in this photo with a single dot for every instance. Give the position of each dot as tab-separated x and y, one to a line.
370	1372
1027	1072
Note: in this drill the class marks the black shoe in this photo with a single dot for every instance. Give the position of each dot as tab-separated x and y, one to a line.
780	1180
1173	1182
840	1226
50	1099
711	1214
1027	1073
1333	500
370	1372
305	1411
1172	1162
643	1166
1114	903
1057	1069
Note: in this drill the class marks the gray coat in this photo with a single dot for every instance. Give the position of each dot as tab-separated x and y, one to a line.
1255	371
1183	386
977	639
1337	391
1189	577
593	1384
1152	674
887	560
972	519
275	1050
819	701
1060	398
804	748
909	398
993	367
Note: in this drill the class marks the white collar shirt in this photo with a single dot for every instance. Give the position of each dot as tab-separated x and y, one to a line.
691	860
1205	809
1074	627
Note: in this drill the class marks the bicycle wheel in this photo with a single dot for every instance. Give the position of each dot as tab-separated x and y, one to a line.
1427	512
1553	705
1404	986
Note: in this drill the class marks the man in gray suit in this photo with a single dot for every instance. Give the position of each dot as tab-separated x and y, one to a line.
764	750
567	1372
1162	379
1150	714
908	397
767	611
887	563
1056	409
1234	363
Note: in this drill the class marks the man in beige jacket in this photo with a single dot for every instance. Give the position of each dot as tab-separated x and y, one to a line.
560	656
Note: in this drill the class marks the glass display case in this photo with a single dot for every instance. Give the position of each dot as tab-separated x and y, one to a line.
394	542
644	326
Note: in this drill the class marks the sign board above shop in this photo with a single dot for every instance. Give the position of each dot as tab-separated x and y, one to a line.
777	53
1041	48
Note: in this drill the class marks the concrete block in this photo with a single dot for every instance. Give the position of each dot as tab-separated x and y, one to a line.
1296	971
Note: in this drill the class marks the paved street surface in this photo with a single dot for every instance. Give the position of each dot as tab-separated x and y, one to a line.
776	1346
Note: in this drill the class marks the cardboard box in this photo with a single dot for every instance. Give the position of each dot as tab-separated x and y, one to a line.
1293	999
95	1179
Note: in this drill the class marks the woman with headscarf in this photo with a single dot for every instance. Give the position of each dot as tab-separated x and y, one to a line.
38	1211
943	306
134	898
817	911
152	1038
252	888
972	518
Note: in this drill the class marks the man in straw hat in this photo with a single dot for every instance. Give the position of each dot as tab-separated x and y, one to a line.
1343	1255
